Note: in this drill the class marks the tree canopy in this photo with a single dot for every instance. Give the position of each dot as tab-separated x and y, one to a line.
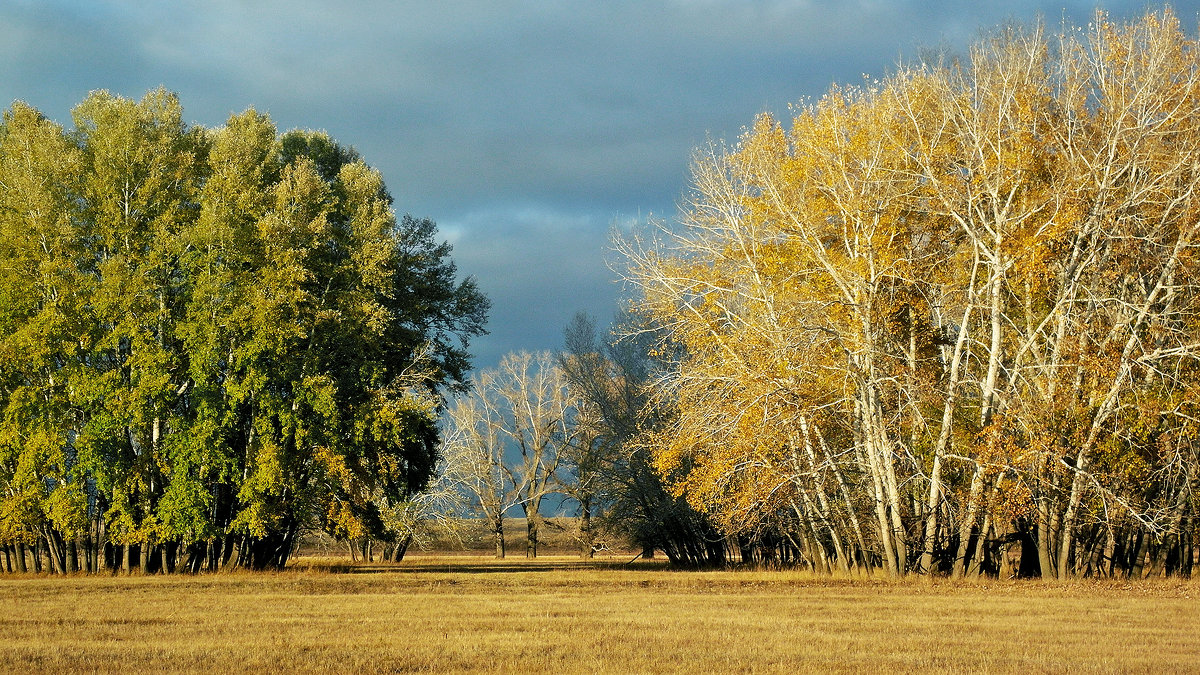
211	338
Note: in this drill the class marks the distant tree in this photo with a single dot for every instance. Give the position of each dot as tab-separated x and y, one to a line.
508	437
45	328
474	450
434	513
610	466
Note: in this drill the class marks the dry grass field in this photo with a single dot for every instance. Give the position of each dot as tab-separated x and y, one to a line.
459	614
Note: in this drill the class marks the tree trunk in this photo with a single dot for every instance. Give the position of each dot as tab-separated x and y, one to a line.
401	548
887	457
865	438
1068	524
1188	544
210	554
931	517
863	557
1045	537
146	551
1004	537
230	545
1139	557
587	544
55	554
825	512
981	549
532	529
1108	561
498	534
100	542
968	523
939	448
166	565
976	568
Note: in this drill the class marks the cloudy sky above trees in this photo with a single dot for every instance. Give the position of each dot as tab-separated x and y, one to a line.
527	130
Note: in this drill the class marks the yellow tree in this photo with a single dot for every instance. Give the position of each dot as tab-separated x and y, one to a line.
788	287
971	281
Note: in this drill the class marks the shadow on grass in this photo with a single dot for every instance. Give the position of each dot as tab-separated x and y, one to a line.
470	565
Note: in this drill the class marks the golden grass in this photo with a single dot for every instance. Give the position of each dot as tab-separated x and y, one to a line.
560	615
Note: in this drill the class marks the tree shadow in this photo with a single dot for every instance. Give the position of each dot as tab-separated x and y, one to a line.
482	566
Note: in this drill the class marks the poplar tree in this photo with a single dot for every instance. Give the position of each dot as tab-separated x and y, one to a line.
217	339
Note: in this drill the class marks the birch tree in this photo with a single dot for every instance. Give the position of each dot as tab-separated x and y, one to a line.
962	294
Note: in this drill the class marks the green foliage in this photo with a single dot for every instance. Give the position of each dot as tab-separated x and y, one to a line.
213	332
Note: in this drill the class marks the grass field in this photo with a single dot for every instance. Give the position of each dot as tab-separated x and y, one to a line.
461	614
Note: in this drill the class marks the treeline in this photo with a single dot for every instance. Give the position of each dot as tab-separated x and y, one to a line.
210	339
947	316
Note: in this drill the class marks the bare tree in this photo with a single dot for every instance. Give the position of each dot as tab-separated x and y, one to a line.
474	453
434	512
505	440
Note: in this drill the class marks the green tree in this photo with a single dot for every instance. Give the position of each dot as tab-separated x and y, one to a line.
216	338
44	330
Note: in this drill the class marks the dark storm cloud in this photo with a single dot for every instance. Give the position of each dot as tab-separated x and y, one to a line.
546	264
523	128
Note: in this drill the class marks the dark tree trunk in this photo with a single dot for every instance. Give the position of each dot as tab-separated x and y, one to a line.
22	567
1029	564
72	556
229	546
89	553
1139	557
270	551
1045	539
145	551
54	562
401	548
531	528
167	557
195	557
214	553
587	543
498	535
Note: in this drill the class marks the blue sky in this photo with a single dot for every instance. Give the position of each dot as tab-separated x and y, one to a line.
527	130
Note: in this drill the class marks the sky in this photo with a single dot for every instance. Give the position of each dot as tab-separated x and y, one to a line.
526	130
